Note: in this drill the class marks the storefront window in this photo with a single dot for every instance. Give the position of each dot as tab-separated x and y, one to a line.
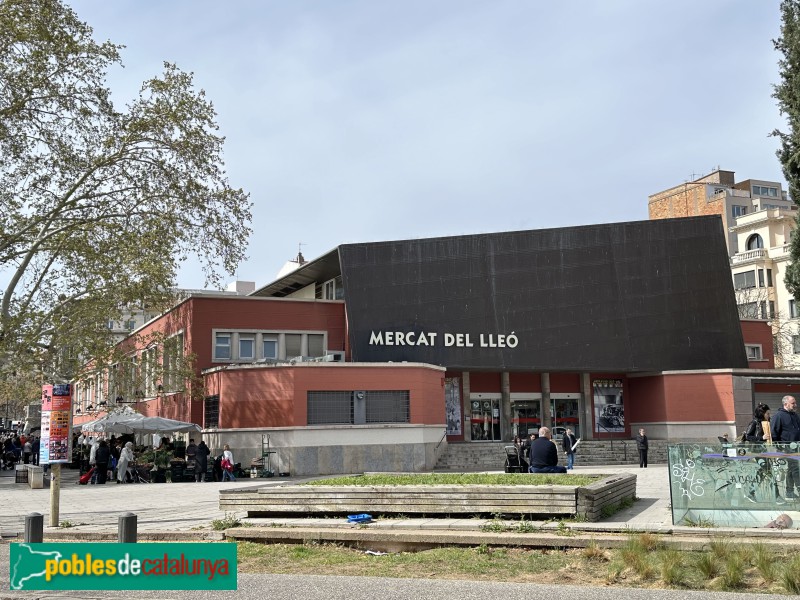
526	417
485	419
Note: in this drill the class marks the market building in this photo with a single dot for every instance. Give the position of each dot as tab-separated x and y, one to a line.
377	356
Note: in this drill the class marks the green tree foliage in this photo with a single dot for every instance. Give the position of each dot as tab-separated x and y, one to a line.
787	94
99	205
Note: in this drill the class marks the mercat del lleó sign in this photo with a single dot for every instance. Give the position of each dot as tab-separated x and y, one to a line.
458	340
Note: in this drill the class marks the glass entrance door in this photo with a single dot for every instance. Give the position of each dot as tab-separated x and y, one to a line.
565	416
485	420
525	417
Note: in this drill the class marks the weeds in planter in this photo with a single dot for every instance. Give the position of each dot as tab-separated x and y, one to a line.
672	567
563	530
66	524
649	541
699	522
612	509
228	522
721	549
732	577
764	561
594	552
790	577
527	527
615	570
707	564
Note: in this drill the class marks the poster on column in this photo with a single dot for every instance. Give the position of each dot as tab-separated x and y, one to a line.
452	397
609	409
56	435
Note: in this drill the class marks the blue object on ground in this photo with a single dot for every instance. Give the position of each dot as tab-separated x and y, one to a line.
363	518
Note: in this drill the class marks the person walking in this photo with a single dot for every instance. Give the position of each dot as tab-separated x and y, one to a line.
227	464
642	445
568	442
785	427
201	462
544	454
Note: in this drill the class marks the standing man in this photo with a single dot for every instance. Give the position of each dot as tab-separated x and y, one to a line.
544	454
568	442
785	427
642	445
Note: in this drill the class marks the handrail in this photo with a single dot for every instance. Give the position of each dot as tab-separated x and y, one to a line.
444	435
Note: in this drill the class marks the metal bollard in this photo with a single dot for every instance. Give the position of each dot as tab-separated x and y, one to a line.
126	531
34	528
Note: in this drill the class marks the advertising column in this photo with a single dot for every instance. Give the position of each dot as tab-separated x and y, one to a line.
56	435
56	441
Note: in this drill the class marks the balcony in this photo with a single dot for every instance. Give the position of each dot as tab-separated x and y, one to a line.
749	256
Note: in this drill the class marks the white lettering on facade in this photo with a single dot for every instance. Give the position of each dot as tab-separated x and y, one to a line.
459	340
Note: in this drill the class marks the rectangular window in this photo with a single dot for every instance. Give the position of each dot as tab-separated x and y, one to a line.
769	277
293	345
315	344
738	211
222	346
388	406
270	348
247	347
211	412
796	344
748	310
330	290
330	408
744	280
763	310
753	351
771	314
761	278
792	309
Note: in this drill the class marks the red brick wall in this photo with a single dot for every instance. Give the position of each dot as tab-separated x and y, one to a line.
759	332
277	396
692	397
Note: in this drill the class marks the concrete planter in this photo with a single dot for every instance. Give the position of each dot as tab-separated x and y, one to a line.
545	500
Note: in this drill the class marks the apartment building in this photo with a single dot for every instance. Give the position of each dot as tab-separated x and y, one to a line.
758	219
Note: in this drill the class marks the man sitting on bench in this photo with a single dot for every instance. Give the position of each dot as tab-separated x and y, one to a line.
544	454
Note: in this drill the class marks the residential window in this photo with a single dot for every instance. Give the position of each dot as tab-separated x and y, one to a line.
753	351
771	314
222	346
211	412
796	344
763	309
761	278
748	310
744	280
763	190
792	309
738	211
247	347
769	277
754	242
269	348
330	290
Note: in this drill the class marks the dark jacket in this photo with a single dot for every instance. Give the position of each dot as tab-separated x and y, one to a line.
641	442
785	426
754	432
201	458
543	453
103	455
567	442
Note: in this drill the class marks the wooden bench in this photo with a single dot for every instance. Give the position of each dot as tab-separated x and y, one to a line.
530	500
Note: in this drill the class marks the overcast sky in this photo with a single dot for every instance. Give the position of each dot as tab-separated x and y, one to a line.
365	120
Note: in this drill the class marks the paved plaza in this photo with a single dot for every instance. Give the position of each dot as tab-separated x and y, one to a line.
187	509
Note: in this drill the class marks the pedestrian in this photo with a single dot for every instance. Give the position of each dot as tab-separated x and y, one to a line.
126	458
642	445
758	432
227	464
785	427
93	446
544	454
569	442
102	459
35	448
27	450
191	453
201	462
